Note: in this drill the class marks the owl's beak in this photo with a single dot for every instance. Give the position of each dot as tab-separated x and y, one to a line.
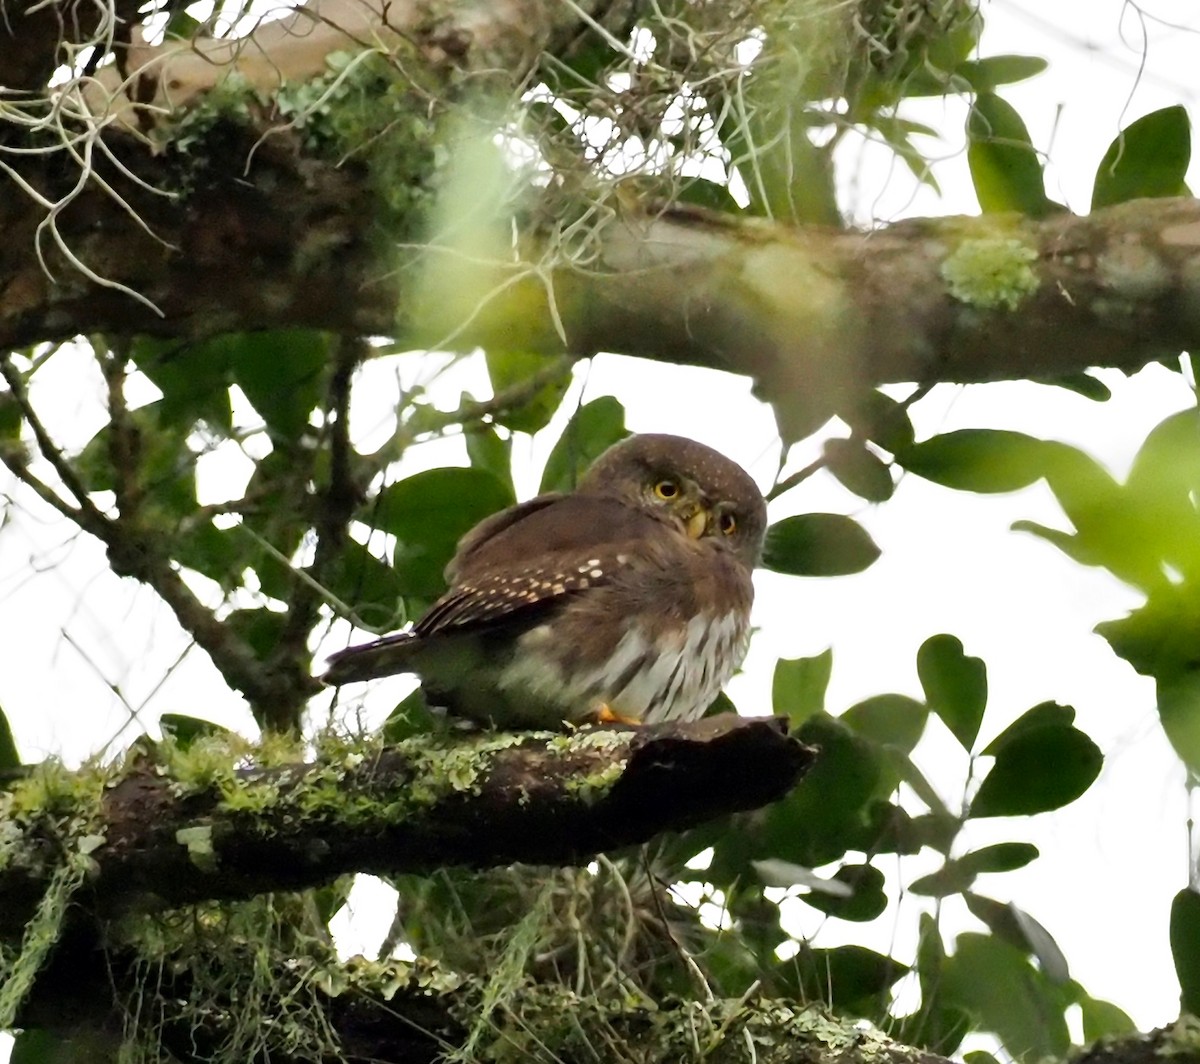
697	523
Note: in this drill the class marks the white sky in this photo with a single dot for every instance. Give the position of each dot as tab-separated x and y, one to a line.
72	633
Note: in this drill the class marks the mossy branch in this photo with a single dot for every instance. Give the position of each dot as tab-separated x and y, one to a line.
196	829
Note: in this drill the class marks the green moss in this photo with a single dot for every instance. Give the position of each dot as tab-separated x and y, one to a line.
991	272
199	843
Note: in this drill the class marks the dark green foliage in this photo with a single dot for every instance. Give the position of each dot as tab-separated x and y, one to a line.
818	545
1185	947
1149	158
593	428
1004	166
955	686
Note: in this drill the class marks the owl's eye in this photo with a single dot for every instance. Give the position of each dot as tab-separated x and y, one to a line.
728	524
666	489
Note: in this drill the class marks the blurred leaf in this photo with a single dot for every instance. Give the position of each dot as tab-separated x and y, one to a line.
329	899
1042	715
956	876
11	419
798	687
882	420
818	545
858	469
9	758
1081	384
776	873
372	587
866	899
593	428
984	75
1037	770
428	513
510	369
1179	713
487	451
979	1056
1005	994
411	716
37	1046
282	373
1022	931
193	378
186	730
709	194
955	686
1185	948
847	978
981	460
894	720
1005	169
897	134
1149	158
1103	1019
260	628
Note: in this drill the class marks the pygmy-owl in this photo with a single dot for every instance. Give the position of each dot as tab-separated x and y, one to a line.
628	598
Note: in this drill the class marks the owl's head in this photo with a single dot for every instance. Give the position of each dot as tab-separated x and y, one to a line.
697	489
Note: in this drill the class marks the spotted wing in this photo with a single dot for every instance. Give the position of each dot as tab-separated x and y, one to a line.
563	546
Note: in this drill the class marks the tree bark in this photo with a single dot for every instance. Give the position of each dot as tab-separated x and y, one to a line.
269	234
196	830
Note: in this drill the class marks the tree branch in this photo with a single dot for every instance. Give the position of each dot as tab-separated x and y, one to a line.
199	830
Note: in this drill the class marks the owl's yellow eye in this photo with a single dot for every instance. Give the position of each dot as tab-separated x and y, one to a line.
666	489
728	524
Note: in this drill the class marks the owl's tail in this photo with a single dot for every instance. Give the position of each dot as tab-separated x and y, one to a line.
369	661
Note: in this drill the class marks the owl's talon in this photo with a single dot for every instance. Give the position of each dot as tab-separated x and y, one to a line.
607	715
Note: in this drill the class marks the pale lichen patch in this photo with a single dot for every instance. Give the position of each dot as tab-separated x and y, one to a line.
991	272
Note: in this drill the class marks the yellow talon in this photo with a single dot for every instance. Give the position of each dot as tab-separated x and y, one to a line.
607	715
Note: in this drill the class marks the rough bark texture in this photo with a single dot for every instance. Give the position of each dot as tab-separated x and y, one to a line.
494	800
275	236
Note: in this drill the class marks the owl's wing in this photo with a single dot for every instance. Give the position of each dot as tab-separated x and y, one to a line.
533	555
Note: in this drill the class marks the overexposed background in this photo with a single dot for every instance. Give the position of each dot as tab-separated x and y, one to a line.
81	650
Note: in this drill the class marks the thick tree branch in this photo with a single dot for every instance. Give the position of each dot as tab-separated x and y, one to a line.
193	833
808	314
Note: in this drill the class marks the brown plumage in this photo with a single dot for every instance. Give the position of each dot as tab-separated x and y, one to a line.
630	595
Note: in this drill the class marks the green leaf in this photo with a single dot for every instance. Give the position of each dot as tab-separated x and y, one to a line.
1038	770
411	716
980	460
882	420
9	758
486	450
798	687
894	720
956	876
849	978
282	373
984	75
955	686
1103	1019
866	901
999	857
186	730
260	628
1081	384
1005	169
594	428
428	513
374	588
1148	159
512	372
703	193
1040	716
1179	714
194	380
37	1046
1007	995
1185	948
858	469
818	545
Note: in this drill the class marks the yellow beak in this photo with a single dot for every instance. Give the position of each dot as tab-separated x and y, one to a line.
697	523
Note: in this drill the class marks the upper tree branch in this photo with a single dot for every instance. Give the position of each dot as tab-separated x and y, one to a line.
491	800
